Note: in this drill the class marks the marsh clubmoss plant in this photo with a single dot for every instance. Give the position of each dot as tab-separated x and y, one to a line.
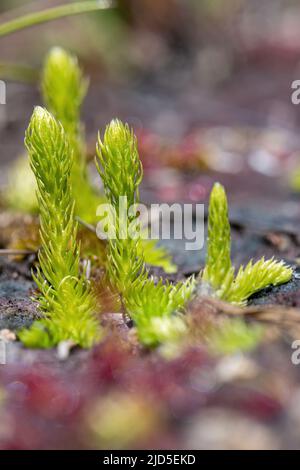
153	306
123	176
219	273
64	297
64	88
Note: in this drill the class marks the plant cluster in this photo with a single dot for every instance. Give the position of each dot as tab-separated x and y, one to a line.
56	147
155	306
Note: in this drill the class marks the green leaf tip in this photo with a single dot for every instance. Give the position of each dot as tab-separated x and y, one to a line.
256	276
46	142
42	120
219	272
64	297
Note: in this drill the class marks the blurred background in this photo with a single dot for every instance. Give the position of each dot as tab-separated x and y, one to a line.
169	67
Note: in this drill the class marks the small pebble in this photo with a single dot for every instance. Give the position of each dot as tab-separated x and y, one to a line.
7	335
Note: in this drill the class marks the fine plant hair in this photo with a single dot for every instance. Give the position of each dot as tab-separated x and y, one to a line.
153	306
219	273
64	295
53	13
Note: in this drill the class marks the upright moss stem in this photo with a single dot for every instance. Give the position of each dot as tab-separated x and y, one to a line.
50	14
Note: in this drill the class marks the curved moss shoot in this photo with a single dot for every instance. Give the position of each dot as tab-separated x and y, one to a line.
64	297
154	306
219	272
